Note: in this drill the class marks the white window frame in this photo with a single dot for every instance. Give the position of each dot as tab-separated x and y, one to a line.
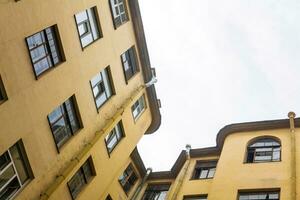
116	7
102	80
89	19
118	133
16	175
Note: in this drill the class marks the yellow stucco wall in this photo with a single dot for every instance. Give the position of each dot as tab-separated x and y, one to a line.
24	115
233	174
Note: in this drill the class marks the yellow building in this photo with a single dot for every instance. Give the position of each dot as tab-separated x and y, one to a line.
76	96
251	161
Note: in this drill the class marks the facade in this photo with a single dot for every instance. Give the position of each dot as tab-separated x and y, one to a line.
255	160
76	96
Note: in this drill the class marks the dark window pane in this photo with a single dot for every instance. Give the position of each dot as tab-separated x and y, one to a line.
76	183
10	189
64	122
87	170
4	160
19	163
81	178
72	115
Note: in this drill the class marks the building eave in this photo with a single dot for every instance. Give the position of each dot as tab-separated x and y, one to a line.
221	136
145	64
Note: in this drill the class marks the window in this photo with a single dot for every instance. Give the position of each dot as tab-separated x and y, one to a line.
204	169
64	121
45	50
263	150
156	192
128	179
258	195
102	87
88	26
3	96
129	61
81	178
114	137
15	171
196	197
138	107
118	9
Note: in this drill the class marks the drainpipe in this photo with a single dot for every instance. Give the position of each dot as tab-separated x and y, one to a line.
292	116
139	188
184	173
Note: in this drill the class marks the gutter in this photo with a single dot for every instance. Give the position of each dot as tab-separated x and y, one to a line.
148	72
139	188
292	116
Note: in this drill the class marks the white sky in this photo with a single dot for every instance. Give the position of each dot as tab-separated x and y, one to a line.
217	63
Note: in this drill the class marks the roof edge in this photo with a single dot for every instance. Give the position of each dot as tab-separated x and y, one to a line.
221	136
146	65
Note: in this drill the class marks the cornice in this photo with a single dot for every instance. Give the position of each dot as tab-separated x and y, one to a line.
145	64
221	136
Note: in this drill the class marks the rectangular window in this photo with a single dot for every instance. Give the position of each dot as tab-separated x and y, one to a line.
119	12
156	192
88	26
128	179
64	121
204	169
114	137
195	197
45	50
130	66
81	178
259	195
15	171
3	96
138	107
102	87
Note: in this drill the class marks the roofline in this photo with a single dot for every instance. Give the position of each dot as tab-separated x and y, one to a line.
216	150
145	64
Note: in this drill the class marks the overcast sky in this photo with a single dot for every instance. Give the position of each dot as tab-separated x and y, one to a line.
217	63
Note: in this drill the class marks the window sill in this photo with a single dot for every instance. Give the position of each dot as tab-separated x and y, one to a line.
90	44
201	179
132	77
118	26
98	109
37	77
139	116
110	152
65	144
262	162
